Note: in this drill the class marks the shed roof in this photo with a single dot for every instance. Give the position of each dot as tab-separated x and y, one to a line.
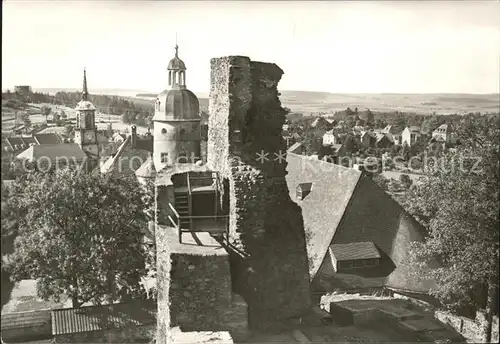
355	250
20	320
98	318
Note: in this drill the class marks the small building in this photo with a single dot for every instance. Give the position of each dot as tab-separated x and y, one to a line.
384	140
442	133
26	326
393	133
119	323
330	138
368	139
411	135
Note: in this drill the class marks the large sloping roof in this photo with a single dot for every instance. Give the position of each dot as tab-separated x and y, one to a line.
323	208
355	250
53	152
50	138
98	318
347	207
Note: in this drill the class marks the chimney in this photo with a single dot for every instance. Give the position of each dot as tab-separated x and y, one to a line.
133	135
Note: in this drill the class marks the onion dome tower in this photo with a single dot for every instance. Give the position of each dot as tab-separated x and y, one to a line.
177	133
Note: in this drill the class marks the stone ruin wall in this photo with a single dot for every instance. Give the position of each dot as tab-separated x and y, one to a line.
266	227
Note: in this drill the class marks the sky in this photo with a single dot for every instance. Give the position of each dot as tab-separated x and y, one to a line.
328	46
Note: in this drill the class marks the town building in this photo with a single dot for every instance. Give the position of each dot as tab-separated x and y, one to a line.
443	133
393	133
330	138
368	139
50	151
411	135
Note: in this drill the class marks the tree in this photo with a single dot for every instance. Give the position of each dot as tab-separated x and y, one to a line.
46	111
405	180
63	114
81	235
126	117
369	117
458	205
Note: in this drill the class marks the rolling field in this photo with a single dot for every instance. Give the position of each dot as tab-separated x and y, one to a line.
314	102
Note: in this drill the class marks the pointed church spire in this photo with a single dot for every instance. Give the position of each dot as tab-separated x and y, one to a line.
85	92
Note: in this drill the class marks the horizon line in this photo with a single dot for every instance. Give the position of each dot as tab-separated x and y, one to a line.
279	90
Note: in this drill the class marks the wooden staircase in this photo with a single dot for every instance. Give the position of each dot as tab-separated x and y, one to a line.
182	207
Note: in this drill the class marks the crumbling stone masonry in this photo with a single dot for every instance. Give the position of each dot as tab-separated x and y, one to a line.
269	265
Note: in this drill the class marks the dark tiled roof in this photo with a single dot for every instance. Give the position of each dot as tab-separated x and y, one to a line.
147	170
47	139
29	140
97	318
15	140
345	207
126	160
145	143
355	250
374	216
323	208
53	152
24	319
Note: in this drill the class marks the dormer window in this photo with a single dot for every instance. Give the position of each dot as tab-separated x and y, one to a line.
236	136
355	255
164	158
303	189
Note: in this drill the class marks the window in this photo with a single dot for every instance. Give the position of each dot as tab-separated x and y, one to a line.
164	158
164	131
182	158
358	263
345	264
371	262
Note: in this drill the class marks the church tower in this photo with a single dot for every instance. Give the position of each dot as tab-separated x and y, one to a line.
86	130
177	133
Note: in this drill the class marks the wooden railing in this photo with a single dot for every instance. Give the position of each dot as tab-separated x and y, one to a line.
193	219
176	221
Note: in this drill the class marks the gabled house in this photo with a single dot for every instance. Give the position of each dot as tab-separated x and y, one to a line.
411	135
119	137
330	138
358	236
134	152
384	140
442	133
368	139
51	156
393	133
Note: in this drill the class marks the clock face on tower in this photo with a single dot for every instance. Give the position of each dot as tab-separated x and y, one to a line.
88	136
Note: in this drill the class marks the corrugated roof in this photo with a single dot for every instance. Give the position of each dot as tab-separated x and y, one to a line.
355	250
53	152
97	318
24	319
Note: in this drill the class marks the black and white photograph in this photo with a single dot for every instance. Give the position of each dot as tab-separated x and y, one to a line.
226	172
